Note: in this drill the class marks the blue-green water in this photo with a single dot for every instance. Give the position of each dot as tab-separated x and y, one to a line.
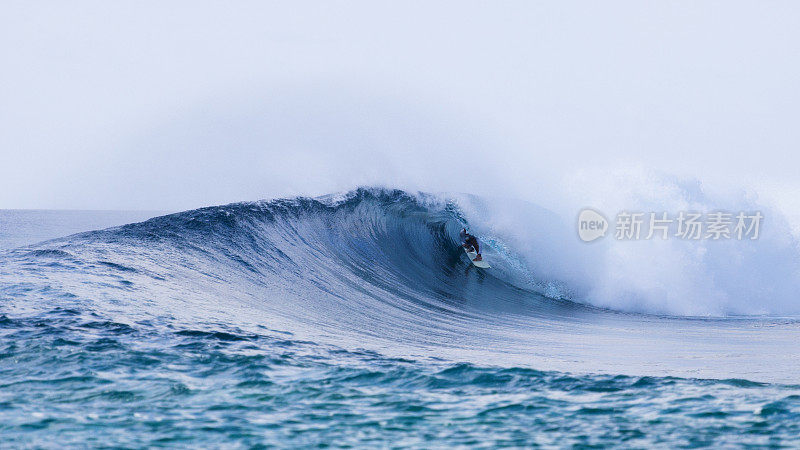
83	380
299	324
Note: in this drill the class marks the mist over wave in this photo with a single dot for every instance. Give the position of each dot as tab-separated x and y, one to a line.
689	277
673	276
434	151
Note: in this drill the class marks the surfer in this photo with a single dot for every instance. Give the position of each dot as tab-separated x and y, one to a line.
470	243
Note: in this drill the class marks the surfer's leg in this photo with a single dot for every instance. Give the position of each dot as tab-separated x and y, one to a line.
477	250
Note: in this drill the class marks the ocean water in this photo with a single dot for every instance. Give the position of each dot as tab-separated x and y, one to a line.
356	321
20	227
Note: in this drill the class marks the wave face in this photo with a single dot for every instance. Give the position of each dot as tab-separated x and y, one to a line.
336	310
371	264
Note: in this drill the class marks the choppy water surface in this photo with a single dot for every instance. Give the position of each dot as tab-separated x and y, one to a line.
357	322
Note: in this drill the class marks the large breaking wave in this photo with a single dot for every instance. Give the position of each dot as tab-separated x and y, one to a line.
393	247
377	269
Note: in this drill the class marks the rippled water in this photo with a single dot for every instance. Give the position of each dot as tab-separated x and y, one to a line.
300	324
84	380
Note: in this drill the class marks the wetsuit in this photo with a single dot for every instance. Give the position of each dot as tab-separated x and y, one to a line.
472	241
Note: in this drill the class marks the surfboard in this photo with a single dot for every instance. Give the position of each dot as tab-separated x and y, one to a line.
482	263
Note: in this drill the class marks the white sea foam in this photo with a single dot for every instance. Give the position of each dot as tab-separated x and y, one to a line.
673	276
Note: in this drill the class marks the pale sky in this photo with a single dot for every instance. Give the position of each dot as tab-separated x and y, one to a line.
176	105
